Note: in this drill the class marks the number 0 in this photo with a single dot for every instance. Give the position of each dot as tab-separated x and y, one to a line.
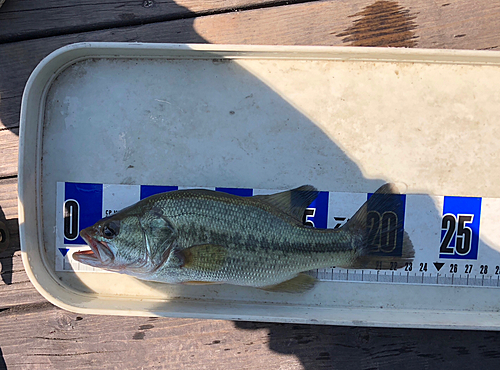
71	219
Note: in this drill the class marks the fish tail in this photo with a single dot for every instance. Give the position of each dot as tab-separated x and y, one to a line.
379	239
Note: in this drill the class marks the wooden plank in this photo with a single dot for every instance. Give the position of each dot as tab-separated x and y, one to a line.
10	231
9	111
20	58
26	19
42	336
8	198
460	24
45	336
15	286
9	146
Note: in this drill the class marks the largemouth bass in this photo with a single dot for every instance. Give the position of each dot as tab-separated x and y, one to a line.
204	236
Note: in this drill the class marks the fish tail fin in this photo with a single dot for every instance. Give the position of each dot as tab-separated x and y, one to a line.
379	239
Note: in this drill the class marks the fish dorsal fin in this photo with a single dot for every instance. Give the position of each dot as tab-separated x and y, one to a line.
203	257
293	202
299	284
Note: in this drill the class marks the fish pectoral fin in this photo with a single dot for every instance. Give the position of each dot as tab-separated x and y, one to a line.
203	257
299	284
293	202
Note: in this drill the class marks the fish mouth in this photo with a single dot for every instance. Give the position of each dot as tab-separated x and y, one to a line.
99	254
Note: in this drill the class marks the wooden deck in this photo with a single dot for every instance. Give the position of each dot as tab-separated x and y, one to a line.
36	335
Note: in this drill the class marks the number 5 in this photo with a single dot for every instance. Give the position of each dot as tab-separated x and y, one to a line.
310	212
464	234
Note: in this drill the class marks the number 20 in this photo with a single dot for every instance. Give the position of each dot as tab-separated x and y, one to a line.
383	231
463	234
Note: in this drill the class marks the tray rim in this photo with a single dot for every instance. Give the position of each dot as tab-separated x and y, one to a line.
29	177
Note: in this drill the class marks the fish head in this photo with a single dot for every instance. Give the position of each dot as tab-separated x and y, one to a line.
134	241
116	243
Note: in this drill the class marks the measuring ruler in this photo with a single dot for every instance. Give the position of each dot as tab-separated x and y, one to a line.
456	239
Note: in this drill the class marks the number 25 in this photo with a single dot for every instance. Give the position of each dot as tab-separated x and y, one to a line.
463	234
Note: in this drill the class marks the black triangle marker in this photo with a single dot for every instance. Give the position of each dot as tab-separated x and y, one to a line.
438	265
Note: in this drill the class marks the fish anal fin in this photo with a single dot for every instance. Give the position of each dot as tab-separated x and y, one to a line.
203	257
201	282
293	202
299	284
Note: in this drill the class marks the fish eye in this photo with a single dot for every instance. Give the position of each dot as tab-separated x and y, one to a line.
111	229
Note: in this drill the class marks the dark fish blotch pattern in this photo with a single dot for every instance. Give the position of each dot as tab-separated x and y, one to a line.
246	241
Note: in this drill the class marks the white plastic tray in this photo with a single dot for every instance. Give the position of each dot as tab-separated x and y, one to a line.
342	119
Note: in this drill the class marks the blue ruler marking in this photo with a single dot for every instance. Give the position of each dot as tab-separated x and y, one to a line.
460	227
148	190
89	198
